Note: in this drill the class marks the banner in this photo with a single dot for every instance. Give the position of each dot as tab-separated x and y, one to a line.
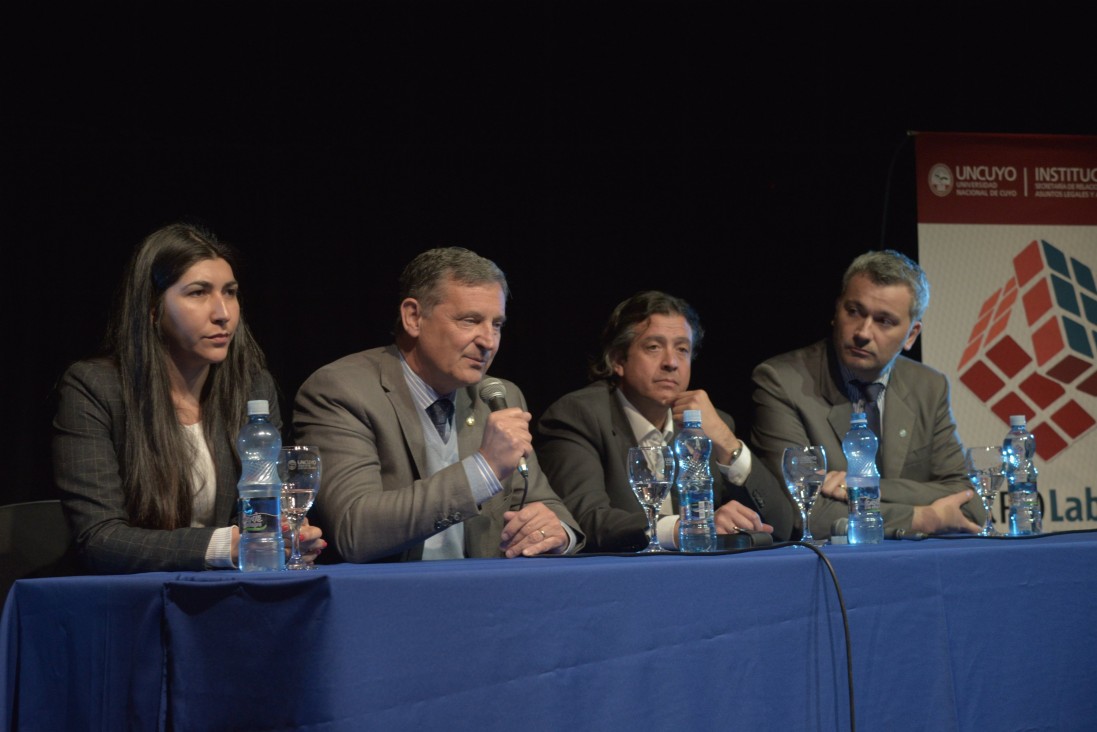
1007	234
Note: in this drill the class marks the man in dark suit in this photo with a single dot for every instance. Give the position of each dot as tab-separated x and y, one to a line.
806	397
414	465
640	392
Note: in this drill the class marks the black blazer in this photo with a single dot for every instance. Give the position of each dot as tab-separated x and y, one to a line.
89	428
583	444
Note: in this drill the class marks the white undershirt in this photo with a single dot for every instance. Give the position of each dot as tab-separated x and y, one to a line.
204	477
642	431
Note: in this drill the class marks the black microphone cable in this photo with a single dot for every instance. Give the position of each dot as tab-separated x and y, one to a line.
1011	537
525	490
845	626
887	191
837	590
833	577
763	548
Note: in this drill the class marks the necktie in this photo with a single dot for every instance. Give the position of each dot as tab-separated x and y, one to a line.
440	413
870	393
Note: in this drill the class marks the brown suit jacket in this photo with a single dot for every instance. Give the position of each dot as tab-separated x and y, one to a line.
375	501
799	401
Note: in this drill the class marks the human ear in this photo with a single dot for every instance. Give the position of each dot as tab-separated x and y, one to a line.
410	316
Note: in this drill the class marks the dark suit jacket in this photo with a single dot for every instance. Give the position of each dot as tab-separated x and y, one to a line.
375	501
799	401
583	442
88	436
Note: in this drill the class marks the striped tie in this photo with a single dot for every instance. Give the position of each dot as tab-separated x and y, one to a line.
870	393
440	413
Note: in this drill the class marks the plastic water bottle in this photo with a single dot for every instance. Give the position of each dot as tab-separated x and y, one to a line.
1025	516
260	492
692	448
866	525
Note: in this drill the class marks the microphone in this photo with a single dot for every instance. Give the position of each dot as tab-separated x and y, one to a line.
904	534
494	394
840	527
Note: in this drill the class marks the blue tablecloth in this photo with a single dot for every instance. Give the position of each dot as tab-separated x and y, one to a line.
967	634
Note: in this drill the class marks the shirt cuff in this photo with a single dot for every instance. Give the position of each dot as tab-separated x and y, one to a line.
738	472
481	477
570	548
664	529
219	550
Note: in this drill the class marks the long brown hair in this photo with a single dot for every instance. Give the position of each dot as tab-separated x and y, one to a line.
157	459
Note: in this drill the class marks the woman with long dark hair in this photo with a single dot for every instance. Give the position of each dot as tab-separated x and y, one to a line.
144	435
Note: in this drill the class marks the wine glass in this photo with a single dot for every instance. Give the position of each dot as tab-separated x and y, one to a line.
987	469
650	473
299	469
804	468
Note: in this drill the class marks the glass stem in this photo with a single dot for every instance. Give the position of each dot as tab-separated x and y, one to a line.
807	529
653	539
295	539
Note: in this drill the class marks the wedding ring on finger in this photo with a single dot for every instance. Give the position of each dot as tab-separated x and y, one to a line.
543	535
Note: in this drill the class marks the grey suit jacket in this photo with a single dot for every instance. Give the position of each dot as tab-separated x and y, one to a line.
89	431
583	442
799	401
375	501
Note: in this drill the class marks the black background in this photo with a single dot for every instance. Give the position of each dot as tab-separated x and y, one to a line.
735	155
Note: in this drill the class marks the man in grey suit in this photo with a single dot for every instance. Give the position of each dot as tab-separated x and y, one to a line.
640	392
415	465
806	397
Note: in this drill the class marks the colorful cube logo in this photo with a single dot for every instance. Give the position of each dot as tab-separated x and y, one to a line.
1033	349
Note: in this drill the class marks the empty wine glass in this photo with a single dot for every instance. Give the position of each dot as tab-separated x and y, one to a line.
804	468
987	469
650	473
299	469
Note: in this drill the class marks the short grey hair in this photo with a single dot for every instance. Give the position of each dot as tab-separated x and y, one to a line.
889	267
423	277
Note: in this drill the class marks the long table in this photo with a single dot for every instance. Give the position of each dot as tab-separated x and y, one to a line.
965	634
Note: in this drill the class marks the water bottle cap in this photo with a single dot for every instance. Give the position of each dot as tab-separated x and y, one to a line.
258	406
691	415
1016	420
858	417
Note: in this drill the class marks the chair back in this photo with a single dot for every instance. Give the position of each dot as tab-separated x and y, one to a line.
35	541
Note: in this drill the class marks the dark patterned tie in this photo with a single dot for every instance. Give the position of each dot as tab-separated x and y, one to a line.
440	413
870	393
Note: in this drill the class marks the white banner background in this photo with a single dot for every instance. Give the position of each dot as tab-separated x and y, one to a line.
966	264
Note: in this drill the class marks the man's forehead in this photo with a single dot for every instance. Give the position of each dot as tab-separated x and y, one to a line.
660	327
895	297
452	290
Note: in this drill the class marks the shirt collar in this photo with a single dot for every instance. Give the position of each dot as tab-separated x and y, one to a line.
640	425
848	376
421	392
